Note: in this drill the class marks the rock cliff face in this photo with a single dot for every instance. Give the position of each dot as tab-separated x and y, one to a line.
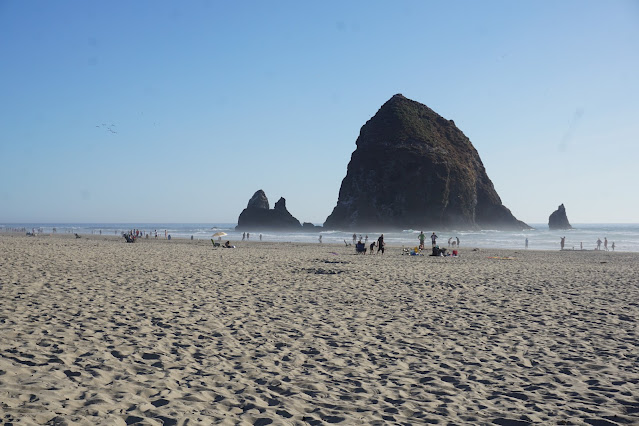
414	169
258	216
558	219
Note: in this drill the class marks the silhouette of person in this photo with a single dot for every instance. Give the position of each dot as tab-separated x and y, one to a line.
380	244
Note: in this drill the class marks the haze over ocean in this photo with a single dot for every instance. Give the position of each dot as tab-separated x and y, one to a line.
154	112
625	236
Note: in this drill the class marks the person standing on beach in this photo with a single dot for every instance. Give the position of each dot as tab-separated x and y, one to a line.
372	247
526	242
421	237
449	241
563	242
433	238
598	243
613	246
606	243
366	240
457	242
320	239
380	244
243	236
248	236
354	238
260	237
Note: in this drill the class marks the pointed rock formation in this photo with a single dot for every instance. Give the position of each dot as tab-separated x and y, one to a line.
414	169
258	216
558	219
258	201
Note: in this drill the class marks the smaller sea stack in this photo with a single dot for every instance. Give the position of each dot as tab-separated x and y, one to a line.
258	216
558	219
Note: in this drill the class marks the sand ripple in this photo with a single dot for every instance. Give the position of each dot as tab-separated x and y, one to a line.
96	331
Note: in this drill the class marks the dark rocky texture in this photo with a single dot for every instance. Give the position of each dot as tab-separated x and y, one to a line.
258	216
414	169
308	226
558	219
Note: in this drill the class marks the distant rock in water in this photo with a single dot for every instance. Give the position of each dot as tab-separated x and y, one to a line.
413	169
258	216
558	219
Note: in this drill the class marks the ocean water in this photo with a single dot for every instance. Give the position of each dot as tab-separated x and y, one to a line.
625	236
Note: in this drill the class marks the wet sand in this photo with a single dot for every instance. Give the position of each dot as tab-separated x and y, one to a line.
97	331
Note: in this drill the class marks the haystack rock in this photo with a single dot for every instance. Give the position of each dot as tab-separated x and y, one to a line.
558	219
258	216
413	169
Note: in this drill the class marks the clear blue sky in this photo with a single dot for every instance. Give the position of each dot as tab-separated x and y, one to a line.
153	111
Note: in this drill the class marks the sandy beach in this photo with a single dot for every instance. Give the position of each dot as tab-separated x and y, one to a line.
97	331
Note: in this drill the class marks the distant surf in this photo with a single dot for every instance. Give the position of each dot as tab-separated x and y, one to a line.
625	236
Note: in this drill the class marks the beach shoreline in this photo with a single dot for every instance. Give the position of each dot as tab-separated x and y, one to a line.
97	331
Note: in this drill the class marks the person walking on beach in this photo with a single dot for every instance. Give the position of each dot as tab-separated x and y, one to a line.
598	243
457	242
421	237
380	244
449	241
248	236
606	243
243	236
526	242
433	238
320	239
563	242
613	246
354	238
372	247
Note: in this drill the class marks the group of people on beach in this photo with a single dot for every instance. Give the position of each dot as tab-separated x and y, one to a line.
452	241
605	243
247	236
562	243
361	245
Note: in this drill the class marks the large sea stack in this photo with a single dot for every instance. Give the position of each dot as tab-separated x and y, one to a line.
258	216
413	169
558	219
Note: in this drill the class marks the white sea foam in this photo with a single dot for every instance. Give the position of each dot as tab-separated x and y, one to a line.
625	236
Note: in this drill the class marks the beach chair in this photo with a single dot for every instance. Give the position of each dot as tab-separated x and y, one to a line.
77	236
360	248
215	245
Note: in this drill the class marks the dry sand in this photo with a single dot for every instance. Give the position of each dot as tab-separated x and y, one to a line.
97	331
